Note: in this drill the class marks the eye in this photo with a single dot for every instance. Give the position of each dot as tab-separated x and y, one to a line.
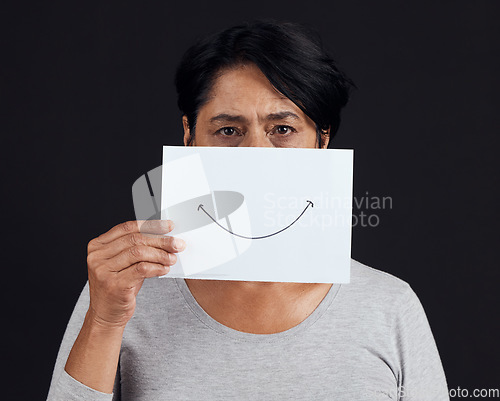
227	131
284	129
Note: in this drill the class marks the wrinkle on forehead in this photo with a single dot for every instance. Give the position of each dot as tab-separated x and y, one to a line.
245	71
244	89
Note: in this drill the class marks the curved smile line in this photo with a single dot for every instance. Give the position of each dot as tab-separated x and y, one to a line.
309	203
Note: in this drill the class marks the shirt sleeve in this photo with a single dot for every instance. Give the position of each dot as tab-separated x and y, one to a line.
64	387
421	375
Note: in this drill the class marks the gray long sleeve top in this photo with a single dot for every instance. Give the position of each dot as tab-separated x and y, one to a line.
368	340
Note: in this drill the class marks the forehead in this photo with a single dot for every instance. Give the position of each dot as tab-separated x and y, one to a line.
245	90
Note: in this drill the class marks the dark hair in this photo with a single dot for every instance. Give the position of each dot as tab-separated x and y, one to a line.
290	55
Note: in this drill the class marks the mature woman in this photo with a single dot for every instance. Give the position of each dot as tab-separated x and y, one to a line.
133	337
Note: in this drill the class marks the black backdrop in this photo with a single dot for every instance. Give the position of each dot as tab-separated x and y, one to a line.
88	100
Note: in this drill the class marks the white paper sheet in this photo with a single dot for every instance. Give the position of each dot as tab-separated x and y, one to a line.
257	214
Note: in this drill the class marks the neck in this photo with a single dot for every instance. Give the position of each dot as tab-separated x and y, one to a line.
258	306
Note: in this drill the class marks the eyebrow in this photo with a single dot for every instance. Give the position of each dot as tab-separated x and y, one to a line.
281	115
227	117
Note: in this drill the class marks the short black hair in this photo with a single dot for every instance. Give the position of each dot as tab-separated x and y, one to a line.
290	55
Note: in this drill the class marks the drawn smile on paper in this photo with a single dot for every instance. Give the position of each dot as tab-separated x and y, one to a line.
309	203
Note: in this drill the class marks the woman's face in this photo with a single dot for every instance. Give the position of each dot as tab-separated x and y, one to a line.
243	109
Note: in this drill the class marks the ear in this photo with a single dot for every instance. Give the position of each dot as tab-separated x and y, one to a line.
187	130
325	138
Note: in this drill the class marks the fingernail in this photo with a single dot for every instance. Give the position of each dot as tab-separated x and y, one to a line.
166	224
179	244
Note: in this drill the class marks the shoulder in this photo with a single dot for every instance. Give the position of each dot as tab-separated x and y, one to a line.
379	281
373	303
376	289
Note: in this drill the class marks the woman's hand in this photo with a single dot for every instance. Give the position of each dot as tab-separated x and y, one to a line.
119	261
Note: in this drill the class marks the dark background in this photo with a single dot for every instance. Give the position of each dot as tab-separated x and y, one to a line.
88	99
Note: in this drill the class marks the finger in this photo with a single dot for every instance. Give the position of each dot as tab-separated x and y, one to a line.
140	271
140	253
167	243
156	227
129	227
